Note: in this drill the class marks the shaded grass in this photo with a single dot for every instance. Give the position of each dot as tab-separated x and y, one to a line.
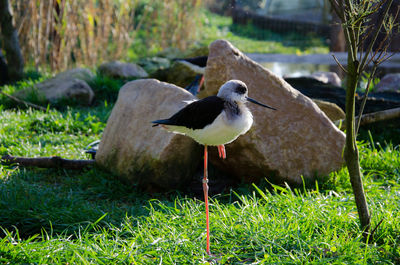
288	228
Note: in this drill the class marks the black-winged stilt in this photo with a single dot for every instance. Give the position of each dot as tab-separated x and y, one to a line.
216	121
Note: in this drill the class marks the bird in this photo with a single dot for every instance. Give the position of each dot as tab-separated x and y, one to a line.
214	121
194	87
200	61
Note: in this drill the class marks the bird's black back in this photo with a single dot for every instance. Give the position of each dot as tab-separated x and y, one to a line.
196	115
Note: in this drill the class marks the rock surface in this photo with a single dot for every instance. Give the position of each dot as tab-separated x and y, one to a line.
297	139
68	85
148	156
117	69
327	78
333	111
390	82
83	74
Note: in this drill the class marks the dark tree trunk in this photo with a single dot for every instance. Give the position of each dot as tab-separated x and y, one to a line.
10	42
337	40
48	162
3	69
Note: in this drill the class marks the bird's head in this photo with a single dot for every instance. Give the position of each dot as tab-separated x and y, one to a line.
233	90
236	91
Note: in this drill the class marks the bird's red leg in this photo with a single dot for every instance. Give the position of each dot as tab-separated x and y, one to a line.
205	189
221	151
201	83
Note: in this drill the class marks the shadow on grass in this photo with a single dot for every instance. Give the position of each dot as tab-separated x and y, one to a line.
64	201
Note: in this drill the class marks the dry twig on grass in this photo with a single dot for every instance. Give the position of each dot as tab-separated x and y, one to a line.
373	117
47	162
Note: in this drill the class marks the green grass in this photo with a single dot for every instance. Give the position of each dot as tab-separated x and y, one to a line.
250	39
50	216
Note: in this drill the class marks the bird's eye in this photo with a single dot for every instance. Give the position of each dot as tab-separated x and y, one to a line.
240	89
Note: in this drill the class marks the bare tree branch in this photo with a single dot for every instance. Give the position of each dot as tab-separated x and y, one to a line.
339	64
373	117
376	33
23	101
47	162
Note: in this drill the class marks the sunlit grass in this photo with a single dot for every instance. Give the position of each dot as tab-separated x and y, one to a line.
250	39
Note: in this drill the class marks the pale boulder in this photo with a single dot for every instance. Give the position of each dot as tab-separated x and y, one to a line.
83	74
333	111
390	82
70	85
296	140
327	78
117	69
149	156
67	89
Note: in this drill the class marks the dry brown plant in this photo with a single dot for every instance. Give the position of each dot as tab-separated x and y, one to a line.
66	33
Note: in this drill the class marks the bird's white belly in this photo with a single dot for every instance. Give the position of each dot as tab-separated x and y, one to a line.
221	131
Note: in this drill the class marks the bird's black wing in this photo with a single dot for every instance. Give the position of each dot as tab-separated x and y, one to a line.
196	115
200	61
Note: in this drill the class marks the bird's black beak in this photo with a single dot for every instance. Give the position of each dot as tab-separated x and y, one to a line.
258	103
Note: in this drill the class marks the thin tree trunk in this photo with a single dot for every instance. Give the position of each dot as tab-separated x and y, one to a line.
351	155
337	41
3	69
10	42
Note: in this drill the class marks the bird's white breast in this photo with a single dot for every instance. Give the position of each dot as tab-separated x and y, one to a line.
222	131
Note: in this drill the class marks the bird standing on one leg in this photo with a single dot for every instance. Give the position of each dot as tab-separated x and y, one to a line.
216	121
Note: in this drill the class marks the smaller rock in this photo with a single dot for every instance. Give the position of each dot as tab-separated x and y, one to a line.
327	78
150	157
69	89
117	69
77	73
68	85
390	82
333	111
182	73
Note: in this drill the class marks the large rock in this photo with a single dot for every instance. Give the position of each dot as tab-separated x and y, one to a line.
69	85
297	139
148	156
117	69
390	82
